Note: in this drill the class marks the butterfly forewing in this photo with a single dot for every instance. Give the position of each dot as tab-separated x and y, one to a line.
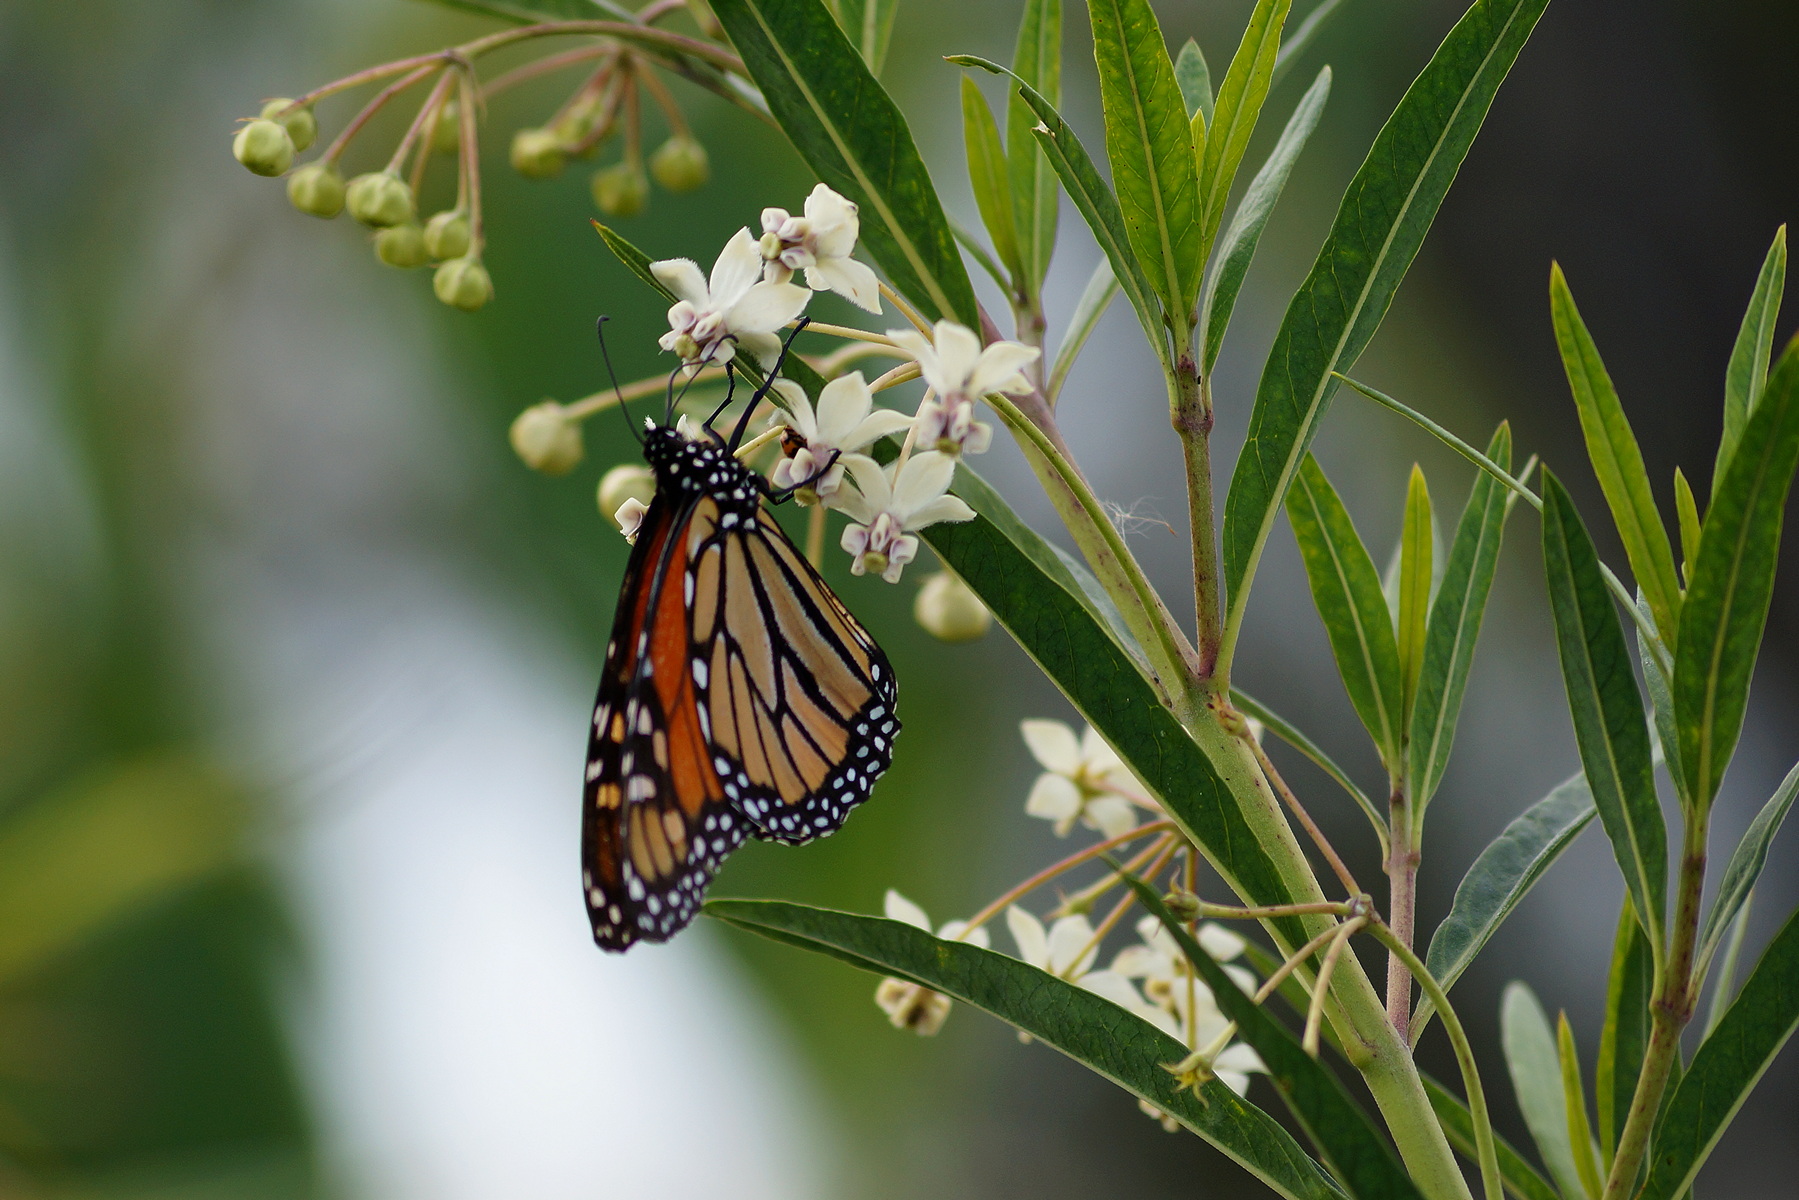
739	696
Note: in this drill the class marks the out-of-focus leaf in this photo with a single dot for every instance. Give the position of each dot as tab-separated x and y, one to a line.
1687	508
1302	38
1747	374
987	174
1037	60
1574	1100
1244	233
1733	582
1606	707
1239	107
850	132
1194	79
869	26
1096	297
1290	734
1507	869
1724	981
1521	1179
1358	1155
1745	867
1625	1036
1727	1066
1455	620
1535	1068
1090	1029
73	863
1413	609
1148	145
1347	593
1378	229
1081	179
1617	461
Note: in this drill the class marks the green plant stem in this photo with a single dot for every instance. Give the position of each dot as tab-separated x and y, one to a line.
1193	418
1675	999
1403	856
1486	1151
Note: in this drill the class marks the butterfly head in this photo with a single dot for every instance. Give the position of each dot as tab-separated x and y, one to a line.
701	466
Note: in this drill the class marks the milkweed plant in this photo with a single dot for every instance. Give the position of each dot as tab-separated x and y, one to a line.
1180	999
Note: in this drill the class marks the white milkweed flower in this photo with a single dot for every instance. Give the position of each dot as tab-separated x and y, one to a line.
845	422
734	306
888	506
1083	780
960	372
629	518
909	1005
1066	949
819	243
1185	1006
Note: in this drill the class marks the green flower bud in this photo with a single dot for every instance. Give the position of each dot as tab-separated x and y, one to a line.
631	481
621	190
301	125
264	147
537	154
380	199
463	283
402	246
317	189
446	234
546	439
679	164
448	133
949	610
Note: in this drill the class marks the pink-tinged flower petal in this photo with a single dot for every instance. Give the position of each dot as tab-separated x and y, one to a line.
1054	798
773	219
841	405
739	265
924	478
1053	745
1071	948
871	481
980	436
834	217
903	550
854	281
898	908
765	307
1029	936
790	398
944	510
958	353
682	277
997	370
854	541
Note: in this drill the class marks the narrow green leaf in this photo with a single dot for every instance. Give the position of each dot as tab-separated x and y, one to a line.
1096	297
1358	1155
988	175
1657	682
1574	1099
1092	197
1378	229
1625	1037
1093	1031
1148	144
1194	79
1289	733
977	250
1414	587
1302	39
1727	1065
849	131
1747	374
1733	582
1688	510
1037	60
1606	707
1452	441
1617	461
1535	1068
1240	99
1724	983
1455	620
1521	1179
1244	233
1505	871
635	260
869	26
1347	593
1744	868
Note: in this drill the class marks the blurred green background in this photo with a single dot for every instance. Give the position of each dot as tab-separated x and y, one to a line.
295	657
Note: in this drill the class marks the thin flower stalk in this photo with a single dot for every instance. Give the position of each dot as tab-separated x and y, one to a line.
1124	904
335	151
760	440
470	149
904	373
1293	962
426	115
665	100
1083	899
1321	988
845	331
635	390
1304	818
1065	865
549	64
906	310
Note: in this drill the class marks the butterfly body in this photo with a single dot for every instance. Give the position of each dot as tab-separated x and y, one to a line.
739	698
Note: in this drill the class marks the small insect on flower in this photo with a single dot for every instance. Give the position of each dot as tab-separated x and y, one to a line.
960	372
739	696
1083	780
889	505
820	244
909	1005
735	307
820	443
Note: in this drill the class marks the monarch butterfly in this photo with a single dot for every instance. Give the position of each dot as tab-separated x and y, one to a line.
739	697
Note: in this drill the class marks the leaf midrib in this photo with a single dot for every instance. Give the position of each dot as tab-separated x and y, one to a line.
1426	785
1152	172
1355	615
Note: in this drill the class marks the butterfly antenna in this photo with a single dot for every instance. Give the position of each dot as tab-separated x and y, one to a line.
599	330
743	422
730	391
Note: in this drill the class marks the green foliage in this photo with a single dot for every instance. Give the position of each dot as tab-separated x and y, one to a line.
1096	297
1414	580
1625	1036
1148	144
1747	374
1091	1030
1239	106
1534	1064
1037	61
1733	583
849	131
1726	1066
1744	868
1289	733
1574	1100
1194	79
988	174
869	26
1521	1179
1606	707
1379	226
